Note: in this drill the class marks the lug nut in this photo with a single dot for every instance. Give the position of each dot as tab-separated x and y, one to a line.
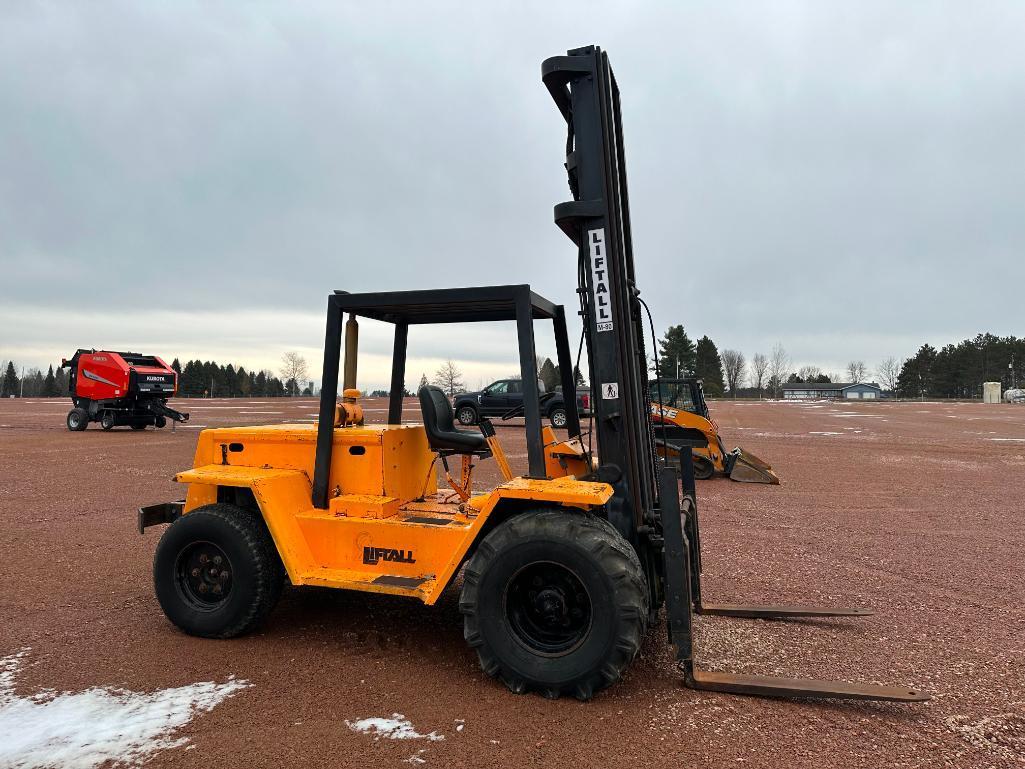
195	572
202	587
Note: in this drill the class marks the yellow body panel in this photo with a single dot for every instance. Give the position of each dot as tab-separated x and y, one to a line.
382	531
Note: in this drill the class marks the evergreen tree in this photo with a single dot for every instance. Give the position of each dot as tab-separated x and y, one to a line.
50	384
11	383
916	377
708	367
60	381
676	352
548	374
176	365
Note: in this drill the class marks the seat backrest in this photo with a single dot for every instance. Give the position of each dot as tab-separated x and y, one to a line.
439	424
437	411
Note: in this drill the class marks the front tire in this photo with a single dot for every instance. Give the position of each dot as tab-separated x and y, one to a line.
78	420
557	417
556	602
467	415
216	571
703	467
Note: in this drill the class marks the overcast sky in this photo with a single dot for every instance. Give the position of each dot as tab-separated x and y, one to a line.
192	179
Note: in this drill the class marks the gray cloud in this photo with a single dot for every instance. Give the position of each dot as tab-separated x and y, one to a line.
846	179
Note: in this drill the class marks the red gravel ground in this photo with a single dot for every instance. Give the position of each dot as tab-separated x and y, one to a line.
914	509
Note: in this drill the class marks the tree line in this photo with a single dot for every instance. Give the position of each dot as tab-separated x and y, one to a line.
196	379
958	370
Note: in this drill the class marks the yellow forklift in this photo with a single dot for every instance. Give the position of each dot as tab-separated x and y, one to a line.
682	421
564	568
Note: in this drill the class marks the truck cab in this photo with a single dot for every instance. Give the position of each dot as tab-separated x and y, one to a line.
506	395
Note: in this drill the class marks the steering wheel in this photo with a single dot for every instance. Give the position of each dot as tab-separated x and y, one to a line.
516	411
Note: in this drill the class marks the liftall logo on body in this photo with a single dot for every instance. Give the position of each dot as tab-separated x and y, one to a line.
374	555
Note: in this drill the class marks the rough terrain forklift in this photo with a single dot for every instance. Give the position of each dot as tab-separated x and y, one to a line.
682	422
565	568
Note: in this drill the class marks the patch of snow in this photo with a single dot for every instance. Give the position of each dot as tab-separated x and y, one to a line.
398	727
98	726
1013	440
817	432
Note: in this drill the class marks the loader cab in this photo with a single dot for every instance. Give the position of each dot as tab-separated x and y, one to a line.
685	394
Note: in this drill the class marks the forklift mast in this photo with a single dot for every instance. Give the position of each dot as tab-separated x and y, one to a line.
597	220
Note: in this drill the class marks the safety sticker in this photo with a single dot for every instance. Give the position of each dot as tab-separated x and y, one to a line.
610	390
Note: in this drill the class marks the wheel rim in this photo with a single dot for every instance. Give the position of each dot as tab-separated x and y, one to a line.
466	416
548	608
74	420
203	575
559	418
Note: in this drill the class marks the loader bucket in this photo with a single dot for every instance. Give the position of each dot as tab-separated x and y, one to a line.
747	468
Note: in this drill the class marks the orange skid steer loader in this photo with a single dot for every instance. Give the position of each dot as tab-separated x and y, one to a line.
682	421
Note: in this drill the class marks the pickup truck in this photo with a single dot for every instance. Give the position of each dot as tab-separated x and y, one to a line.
504	395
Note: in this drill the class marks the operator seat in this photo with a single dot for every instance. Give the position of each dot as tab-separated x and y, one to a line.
439	423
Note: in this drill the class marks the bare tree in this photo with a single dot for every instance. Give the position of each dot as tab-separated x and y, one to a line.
888	373
759	365
856	371
734	365
809	373
448	378
779	368
293	369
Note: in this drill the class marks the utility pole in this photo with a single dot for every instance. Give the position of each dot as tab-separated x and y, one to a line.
21	393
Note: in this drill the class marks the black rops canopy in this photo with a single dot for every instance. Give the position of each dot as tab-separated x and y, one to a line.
446	305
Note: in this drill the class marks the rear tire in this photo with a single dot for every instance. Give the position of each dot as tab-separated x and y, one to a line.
161	422
556	602
107	420
216	571
78	420
467	415
703	468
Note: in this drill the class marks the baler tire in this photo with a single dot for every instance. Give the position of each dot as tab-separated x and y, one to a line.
160	422
78	420
508	619
255	579
107	420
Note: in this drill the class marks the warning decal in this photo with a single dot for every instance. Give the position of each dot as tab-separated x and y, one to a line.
610	390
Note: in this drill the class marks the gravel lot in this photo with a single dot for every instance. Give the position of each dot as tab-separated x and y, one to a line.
913	509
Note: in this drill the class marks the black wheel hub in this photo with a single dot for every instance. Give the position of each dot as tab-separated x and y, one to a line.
548	608
203	575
